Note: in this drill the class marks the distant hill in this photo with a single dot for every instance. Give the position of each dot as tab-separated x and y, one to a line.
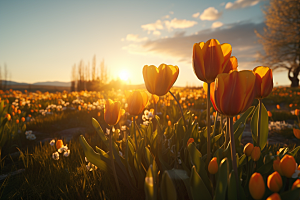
46	83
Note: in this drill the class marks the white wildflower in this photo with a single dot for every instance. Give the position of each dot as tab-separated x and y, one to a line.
52	142
55	156
67	153
62	149
28	132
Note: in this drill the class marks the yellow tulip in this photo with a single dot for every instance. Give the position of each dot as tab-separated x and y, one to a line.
159	80
287	165
137	101
248	149
274	182
213	166
257	186
264	81
112	112
234	92
210	59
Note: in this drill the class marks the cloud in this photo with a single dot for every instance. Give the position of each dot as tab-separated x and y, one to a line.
210	14
196	15
171	12
153	26
166	17
216	25
240	35
135	38
156	33
241	4
179	24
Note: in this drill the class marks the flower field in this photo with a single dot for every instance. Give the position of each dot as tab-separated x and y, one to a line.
162	142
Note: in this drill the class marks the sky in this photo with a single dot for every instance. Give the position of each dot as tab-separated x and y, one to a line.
43	40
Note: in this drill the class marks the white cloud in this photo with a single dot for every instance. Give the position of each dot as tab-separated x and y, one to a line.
156	33
241	4
171	12
216	25
196	15
153	26
210	14
135	38
166	17
179	24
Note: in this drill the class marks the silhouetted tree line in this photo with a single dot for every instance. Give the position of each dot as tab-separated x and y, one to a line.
89	77
3	81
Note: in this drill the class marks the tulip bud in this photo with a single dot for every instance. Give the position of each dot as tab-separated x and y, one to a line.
278	107
264	81
296	133
255	155
169	123
274	196
256	186
213	166
276	165
274	182
8	116
248	149
137	101
296	184
191	140
287	165
112	112
269	114
59	144
297	112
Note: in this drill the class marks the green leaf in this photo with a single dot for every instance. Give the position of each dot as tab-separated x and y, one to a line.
100	131
148	157
291	194
168	191
243	117
198	188
264	126
149	185
294	151
220	193
232	187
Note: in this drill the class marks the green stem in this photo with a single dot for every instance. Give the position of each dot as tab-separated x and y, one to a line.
180	109
208	123
233	153
113	163
136	144
258	122
227	133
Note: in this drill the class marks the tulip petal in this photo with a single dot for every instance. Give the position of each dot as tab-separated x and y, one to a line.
166	77
150	74
226	49
198	62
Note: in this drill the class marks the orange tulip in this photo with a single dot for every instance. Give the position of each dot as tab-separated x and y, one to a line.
154	98
276	165
8	116
264	81
232	64
257	186
287	165
234	92
269	114
248	149
137	101
297	111
159	80
274	182
59	144
112	112
191	140
278	107
296	133
210	59
255	154
274	196
213	166
296	184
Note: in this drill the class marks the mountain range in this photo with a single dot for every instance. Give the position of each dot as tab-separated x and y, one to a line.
46	83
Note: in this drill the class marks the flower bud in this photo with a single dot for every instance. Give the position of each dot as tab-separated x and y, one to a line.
255	155
274	196
296	133
269	114
287	165
256	186
213	166
274	182
296	184
59	144
276	165
248	149
191	140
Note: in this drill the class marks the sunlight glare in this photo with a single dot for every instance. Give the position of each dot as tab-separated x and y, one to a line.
124	75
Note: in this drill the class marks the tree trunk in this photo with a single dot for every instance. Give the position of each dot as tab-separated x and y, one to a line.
294	79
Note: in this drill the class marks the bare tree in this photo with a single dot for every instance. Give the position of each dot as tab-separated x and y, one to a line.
281	37
94	68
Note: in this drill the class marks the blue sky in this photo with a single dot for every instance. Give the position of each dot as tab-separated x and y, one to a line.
42	40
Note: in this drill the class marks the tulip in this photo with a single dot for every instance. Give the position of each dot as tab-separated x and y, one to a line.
256	186
278	107
137	101
255	154
274	182
248	149
231	65
269	114
213	166
154	98
296	184
112	112
234	92
274	196
59	144
159	80
297	112
8	116
264	81
276	165
212	89
191	140
296	133
210	59
287	165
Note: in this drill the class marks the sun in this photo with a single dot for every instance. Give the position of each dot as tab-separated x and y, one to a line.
124	75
